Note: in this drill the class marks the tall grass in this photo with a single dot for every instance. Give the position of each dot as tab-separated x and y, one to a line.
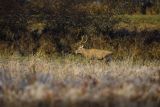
72	81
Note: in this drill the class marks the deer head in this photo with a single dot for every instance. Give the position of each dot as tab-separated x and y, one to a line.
81	45
79	50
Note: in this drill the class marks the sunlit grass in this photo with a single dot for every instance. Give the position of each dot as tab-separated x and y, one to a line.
139	22
150	19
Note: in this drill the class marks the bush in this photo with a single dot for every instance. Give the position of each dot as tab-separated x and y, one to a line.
56	25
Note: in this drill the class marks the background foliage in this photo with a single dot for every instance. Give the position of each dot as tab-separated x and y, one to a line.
55	26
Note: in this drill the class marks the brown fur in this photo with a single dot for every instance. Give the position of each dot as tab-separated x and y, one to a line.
93	53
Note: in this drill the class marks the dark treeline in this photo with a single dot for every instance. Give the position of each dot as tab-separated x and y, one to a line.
29	26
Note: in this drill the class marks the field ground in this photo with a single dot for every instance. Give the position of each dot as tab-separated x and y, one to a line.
76	82
140	22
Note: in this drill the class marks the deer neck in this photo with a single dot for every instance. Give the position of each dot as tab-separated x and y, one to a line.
83	51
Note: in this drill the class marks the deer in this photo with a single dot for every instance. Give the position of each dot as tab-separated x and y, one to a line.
93	53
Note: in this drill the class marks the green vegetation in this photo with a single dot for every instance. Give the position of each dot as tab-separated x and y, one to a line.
139	23
148	19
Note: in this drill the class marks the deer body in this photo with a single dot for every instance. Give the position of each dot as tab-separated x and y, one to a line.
93	53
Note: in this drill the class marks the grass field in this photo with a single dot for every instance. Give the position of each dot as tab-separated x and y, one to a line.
150	19
139	22
131	79
43	64
76	82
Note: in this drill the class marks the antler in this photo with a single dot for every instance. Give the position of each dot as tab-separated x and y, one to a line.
80	43
83	39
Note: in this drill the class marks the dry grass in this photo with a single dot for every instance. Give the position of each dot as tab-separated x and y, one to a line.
73	81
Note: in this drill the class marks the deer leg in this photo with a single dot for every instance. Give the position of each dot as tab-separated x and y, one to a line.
108	59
